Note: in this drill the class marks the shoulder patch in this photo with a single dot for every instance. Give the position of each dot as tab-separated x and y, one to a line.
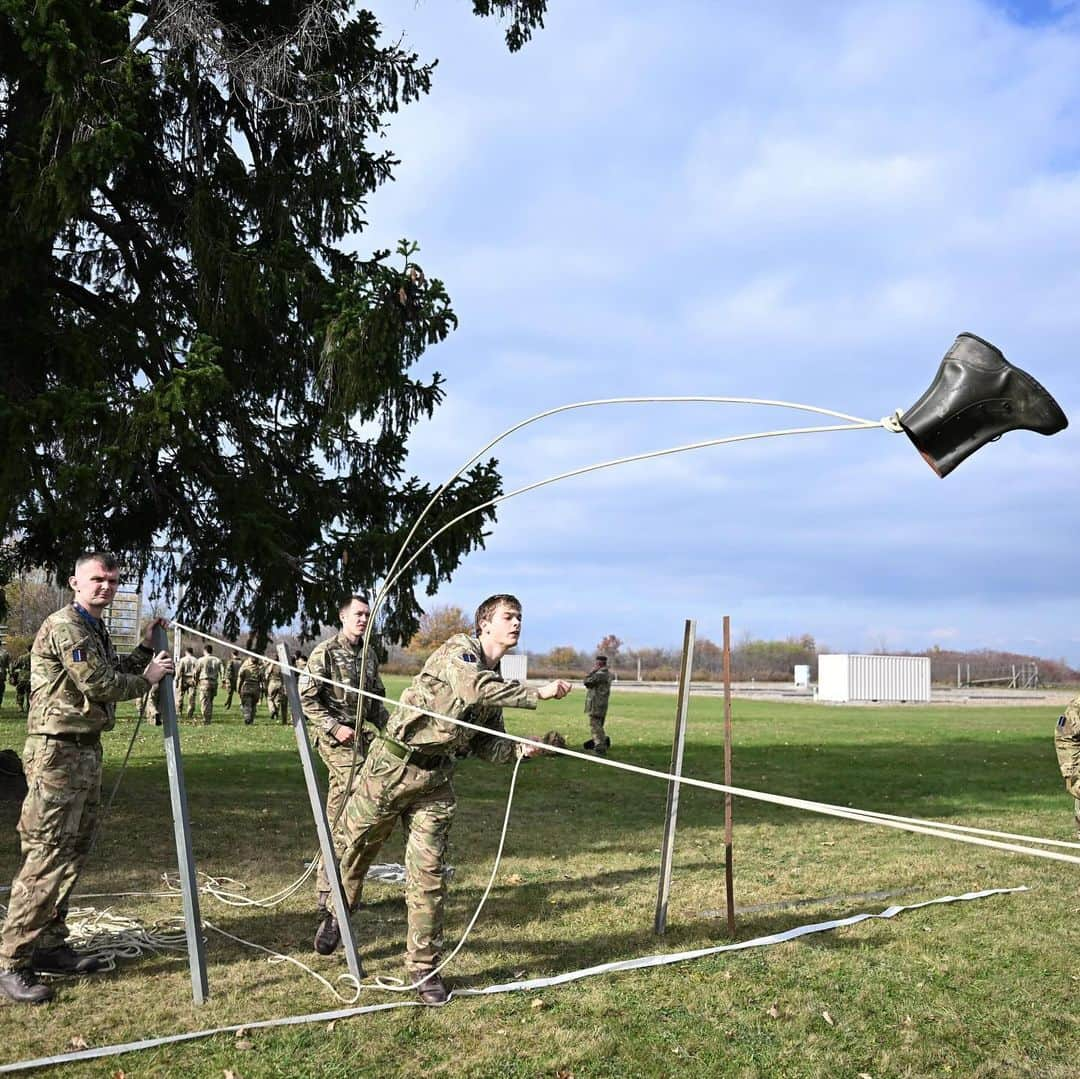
78	655
1061	721
467	657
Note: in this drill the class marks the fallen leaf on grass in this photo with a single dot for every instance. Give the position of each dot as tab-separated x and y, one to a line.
564	1073
330	1026
244	1043
119	1075
515	878
828	1018
774	1012
241	1032
78	1043
865	1075
230	1074
538	1003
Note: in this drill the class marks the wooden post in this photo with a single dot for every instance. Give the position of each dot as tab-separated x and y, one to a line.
668	850
729	871
189	889
318	811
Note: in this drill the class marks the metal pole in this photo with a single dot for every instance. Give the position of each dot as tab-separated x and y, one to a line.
189	890
318	811
729	868
667	852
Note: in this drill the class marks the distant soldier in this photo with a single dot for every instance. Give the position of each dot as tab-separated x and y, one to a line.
337	714
20	679
598	684
408	777
302	677
76	680
207	674
232	669
5	664
153	705
1067	747
249	686
275	693
186	682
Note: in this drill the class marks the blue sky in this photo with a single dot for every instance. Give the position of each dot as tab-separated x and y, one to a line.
786	201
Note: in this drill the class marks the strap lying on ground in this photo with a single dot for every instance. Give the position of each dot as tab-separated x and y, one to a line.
506	987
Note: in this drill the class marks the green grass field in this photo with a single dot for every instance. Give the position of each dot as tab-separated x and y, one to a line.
973	989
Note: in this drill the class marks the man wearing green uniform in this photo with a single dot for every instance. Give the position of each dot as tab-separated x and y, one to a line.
275	693
598	684
232	669
185	684
407	776
207	675
76	680
20	679
1067	747
337	712
249	686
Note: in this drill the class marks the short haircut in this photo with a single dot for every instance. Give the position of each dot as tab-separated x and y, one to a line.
190	650
108	561
346	603
486	611
601	659
208	647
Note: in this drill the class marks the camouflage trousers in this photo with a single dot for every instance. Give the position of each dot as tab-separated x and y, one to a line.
388	790
338	759
3	686
207	693
56	827
1067	748
248	701
231	687
596	730
22	699
278	703
185	704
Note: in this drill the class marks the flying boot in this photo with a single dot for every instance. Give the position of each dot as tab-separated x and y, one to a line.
976	396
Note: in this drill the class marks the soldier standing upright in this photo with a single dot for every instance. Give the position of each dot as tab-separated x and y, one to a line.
337	712
20	679
186	681
5	663
275	693
407	776
598	684
207	674
232	669
249	686
1067	747
76	680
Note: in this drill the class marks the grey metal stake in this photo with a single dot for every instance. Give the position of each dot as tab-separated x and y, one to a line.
672	812
318	811
189	890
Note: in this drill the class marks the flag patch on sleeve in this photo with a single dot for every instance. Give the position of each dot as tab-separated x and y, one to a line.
468	657
78	655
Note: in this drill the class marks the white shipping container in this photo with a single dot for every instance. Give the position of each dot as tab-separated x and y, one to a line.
514	668
802	675
873	678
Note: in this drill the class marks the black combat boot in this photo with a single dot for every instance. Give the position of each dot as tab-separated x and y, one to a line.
65	960
23	987
328	932
432	990
976	396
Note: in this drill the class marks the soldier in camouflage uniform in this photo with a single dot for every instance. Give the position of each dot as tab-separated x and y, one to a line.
186	682
1067	747
275	693
20	679
207	675
232	669
338	714
5	664
598	684
76	678
249	686
407	777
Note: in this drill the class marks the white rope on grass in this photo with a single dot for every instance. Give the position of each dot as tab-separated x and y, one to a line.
909	824
506	987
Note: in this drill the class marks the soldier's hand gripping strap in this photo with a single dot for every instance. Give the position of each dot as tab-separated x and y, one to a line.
976	396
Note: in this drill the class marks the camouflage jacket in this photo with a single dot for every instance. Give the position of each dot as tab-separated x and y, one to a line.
232	669
76	677
249	678
456	681
598	683
273	675
1067	740
185	670
20	671
326	706
208	670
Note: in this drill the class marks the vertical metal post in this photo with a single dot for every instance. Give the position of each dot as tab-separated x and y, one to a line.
668	850
189	890
318	811
729	869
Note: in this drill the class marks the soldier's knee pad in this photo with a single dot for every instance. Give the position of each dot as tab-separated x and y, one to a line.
975	398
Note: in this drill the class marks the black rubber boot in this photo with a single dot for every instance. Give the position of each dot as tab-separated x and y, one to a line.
976	396
23	987
327	934
65	960
432	990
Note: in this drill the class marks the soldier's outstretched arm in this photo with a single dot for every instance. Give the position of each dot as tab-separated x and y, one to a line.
95	679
